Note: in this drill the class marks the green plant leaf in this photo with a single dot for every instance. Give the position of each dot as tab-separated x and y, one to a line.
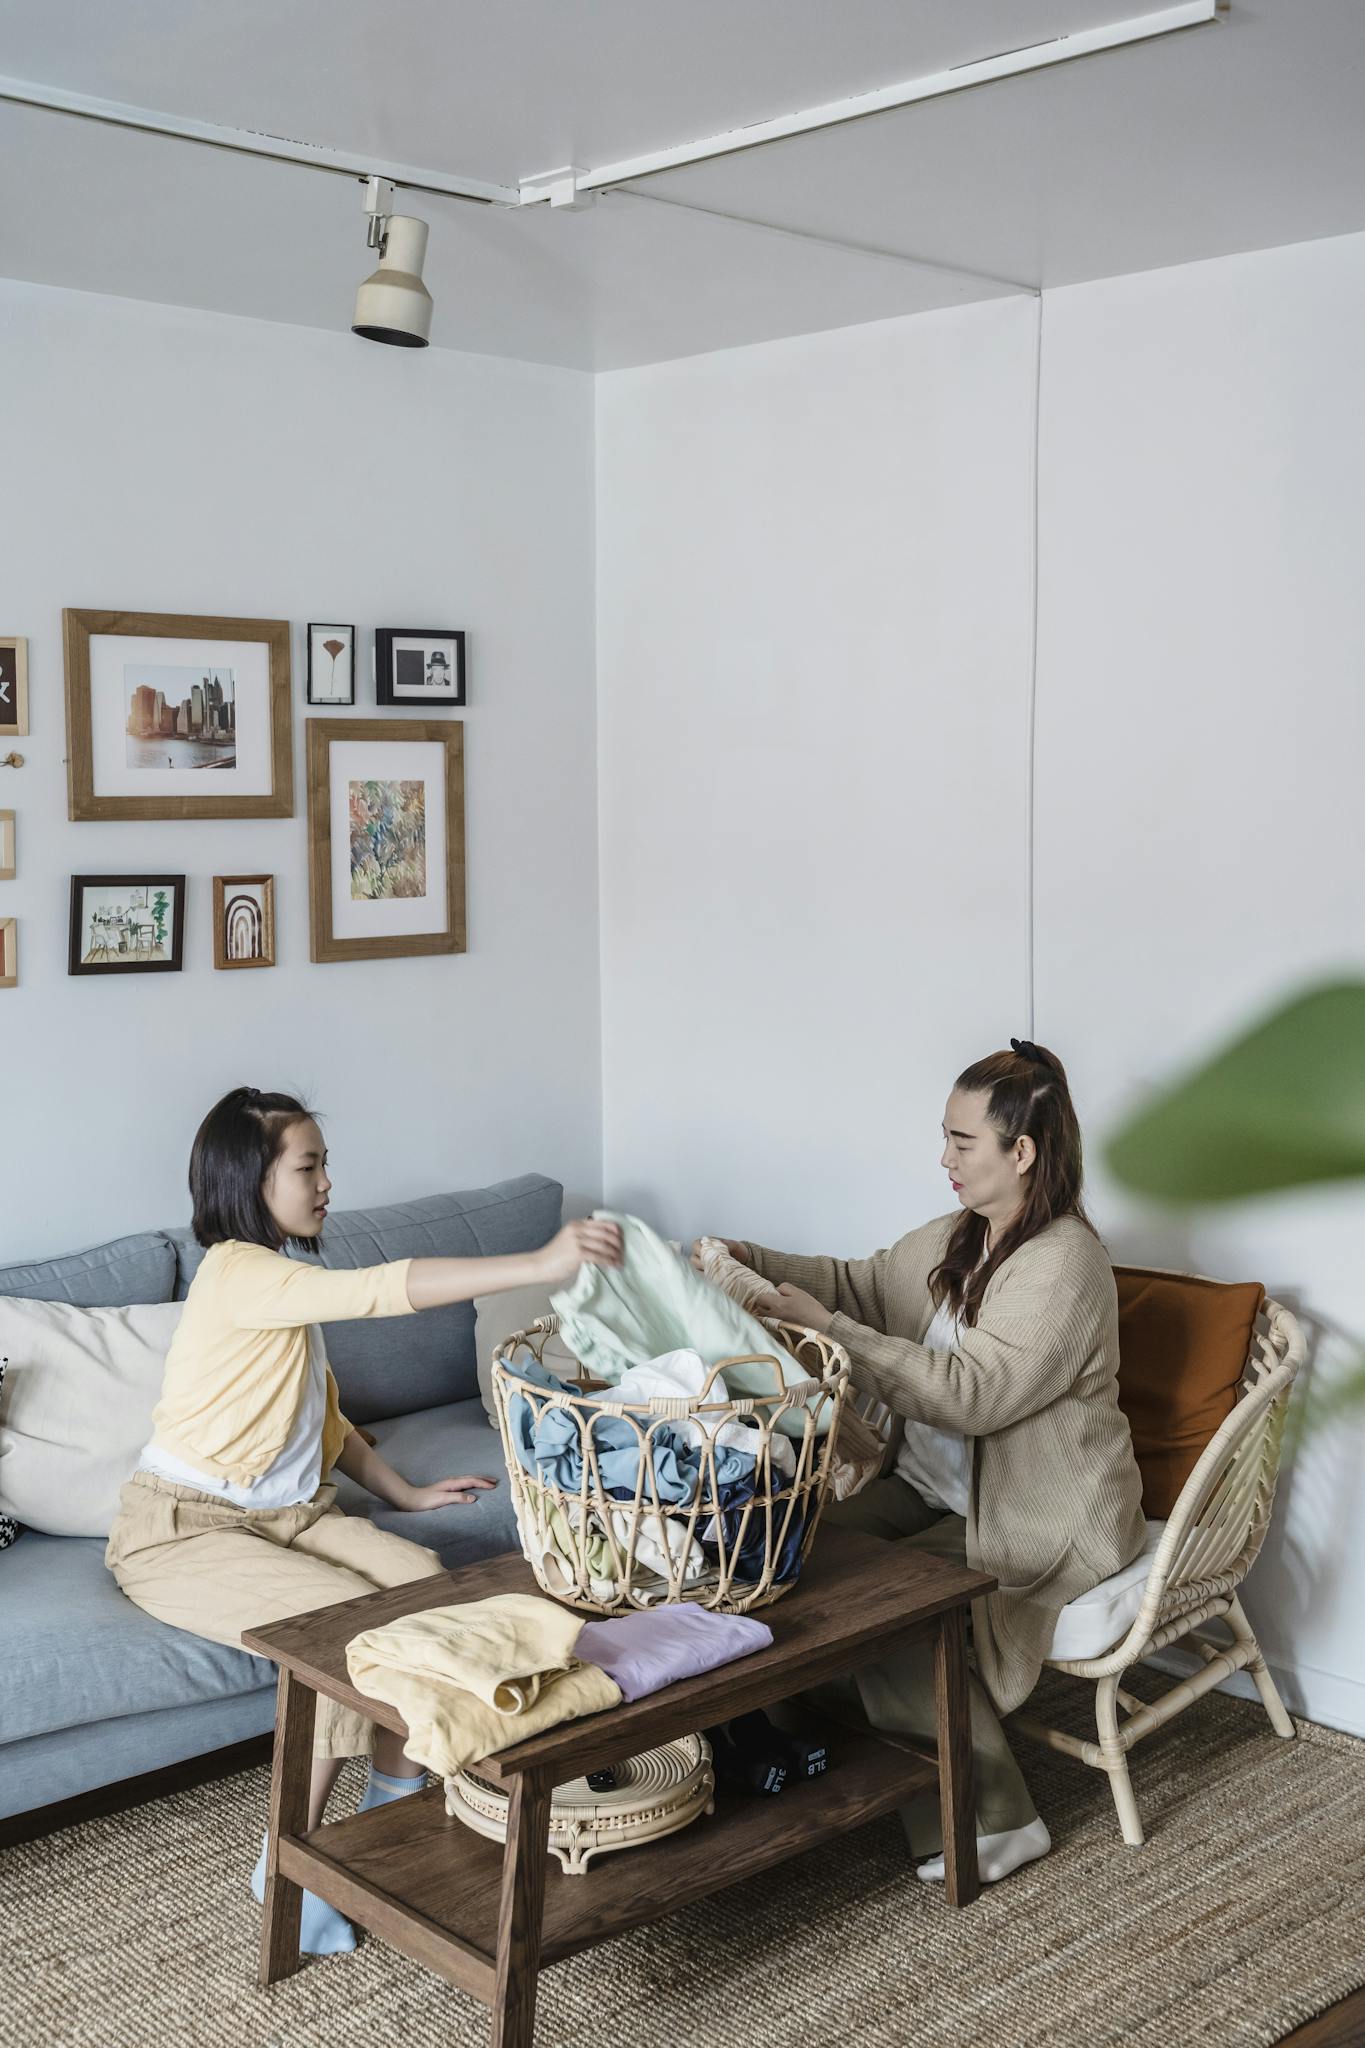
1280	1107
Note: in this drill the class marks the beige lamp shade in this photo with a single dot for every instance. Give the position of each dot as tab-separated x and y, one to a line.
393	305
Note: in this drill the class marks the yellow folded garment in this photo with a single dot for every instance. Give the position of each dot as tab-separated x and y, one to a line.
473	1679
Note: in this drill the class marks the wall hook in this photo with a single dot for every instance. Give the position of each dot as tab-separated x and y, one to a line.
12	760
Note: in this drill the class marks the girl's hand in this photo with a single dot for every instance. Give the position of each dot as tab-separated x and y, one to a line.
447	1493
586	1243
794	1305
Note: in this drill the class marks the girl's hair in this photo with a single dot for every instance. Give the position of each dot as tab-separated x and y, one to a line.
234	1149
1029	1098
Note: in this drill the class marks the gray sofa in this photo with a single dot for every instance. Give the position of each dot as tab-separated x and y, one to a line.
91	1689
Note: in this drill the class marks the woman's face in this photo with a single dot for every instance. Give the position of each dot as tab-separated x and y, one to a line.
296	1187
985	1175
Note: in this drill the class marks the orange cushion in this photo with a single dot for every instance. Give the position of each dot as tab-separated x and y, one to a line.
1183	1347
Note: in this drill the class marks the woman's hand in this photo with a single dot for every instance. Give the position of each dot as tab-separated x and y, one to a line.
738	1250
794	1305
586	1243
446	1493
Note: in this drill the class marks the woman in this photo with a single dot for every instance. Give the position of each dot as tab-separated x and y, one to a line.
993	1333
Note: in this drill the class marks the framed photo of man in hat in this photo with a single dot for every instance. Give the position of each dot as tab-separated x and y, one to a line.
414	667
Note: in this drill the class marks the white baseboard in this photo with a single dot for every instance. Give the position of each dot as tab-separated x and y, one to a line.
1323	1696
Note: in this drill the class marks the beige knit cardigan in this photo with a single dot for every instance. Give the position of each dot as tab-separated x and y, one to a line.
1055	1502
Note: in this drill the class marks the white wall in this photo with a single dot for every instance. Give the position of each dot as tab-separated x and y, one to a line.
1201	739
811	631
173	461
812	599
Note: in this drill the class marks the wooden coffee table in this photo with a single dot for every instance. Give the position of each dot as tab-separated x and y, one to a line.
488	1917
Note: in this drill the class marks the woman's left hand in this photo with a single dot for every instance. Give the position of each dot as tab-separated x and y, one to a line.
794	1305
448	1493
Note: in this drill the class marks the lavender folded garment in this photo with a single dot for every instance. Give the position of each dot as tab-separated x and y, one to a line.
646	1651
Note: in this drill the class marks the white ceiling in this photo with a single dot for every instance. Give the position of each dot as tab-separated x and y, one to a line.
1220	139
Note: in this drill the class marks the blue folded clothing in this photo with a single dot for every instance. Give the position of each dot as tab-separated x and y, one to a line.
550	1448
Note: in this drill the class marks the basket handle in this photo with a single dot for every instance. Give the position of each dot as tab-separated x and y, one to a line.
748	1358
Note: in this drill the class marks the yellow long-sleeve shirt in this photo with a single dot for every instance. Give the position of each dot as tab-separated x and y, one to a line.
237	1368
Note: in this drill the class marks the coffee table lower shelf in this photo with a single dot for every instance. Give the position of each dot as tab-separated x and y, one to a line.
431	1887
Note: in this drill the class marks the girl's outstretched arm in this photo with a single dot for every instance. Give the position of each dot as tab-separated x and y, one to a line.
432	1283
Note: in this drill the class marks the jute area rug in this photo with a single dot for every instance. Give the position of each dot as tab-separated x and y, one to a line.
1240	1919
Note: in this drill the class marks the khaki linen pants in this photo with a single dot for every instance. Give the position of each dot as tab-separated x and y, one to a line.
897	1693
204	1565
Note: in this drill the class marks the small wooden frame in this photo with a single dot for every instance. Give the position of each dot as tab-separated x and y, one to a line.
127	950
13	687
244	920
9	953
84	802
323	734
8	839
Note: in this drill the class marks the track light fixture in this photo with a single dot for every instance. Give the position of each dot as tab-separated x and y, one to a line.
393	305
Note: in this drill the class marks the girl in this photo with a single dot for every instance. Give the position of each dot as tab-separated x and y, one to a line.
229	1521
993	1333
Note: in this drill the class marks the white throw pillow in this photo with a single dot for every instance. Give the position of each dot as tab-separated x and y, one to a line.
77	1407
498	1316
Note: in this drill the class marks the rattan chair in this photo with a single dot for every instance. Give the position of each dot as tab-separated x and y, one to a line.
1212	1539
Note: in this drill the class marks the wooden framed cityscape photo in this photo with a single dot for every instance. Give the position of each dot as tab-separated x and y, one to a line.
13	687
385	837
174	716
127	924
244	920
8	839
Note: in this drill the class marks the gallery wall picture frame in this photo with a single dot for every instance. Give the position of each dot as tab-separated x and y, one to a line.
331	664
9	953
386	851
417	666
13	687
244	920
127	924
174	715
9	841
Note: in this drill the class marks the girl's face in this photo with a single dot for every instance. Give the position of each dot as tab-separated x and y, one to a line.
986	1175
296	1187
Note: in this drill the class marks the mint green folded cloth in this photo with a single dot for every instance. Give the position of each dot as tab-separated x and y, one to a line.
612	1318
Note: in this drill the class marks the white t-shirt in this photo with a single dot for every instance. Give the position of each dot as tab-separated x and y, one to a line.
295	1474
938	1462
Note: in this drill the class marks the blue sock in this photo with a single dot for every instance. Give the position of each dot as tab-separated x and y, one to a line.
322	1930
382	1788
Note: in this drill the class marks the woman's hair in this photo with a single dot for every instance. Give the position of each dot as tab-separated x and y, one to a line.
1029	1098
234	1149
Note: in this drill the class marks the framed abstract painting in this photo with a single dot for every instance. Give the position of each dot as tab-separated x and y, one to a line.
169	716
386	865
127	924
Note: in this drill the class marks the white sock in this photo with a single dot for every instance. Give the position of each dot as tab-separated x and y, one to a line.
998	1855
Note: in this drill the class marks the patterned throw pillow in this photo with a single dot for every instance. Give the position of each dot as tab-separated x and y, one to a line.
9	1528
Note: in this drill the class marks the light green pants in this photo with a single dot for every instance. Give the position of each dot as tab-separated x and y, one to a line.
897	1693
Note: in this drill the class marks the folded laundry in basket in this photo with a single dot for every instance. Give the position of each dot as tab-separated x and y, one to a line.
645	1652
615	1317
474	1678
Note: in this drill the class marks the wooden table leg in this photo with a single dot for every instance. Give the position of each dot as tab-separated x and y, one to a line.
957	1800
523	1900
290	1777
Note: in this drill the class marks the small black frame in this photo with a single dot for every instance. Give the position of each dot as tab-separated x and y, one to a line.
350	630
385	636
79	885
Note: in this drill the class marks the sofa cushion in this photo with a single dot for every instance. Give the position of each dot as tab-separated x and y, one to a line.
76	1407
1183	1345
499	1316
127	1269
77	1650
441	1443
398	1365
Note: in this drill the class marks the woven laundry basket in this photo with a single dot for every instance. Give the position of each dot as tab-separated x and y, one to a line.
655	1794
727	1547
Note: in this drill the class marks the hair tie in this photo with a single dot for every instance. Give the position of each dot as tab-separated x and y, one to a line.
1027	1050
